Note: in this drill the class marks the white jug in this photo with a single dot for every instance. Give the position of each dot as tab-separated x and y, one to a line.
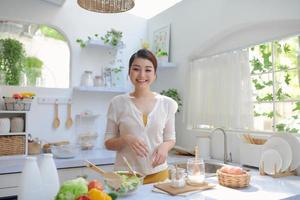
31	182
49	176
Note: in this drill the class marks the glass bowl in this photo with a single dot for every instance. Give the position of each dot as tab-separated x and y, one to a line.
64	151
129	185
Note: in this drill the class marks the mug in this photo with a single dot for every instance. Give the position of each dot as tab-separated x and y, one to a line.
4	125
17	124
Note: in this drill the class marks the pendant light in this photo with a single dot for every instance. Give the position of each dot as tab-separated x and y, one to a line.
106	6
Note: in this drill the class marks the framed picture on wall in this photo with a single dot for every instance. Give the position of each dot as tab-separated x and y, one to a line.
161	41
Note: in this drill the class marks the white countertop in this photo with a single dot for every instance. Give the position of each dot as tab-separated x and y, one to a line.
261	187
13	164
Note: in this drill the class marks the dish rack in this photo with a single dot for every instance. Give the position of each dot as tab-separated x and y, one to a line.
276	174
234	181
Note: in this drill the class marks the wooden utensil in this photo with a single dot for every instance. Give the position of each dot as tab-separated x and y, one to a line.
56	121
129	166
69	121
112	178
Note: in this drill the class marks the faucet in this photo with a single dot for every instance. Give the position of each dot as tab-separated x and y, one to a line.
225	142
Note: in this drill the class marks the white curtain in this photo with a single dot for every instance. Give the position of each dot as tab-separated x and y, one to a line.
220	91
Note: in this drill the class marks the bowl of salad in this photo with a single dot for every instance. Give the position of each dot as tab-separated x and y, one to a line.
129	184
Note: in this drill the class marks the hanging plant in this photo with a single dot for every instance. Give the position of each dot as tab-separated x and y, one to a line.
12	56
112	37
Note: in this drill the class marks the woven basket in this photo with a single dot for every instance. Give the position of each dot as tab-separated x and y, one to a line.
234	181
17	104
12	145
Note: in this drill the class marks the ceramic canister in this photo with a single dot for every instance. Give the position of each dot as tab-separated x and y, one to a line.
4	125
17	124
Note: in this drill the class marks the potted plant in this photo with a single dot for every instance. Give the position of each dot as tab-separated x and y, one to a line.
12	56
174	94
113	37
162	56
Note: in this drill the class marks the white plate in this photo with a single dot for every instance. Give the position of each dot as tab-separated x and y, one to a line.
283	149
271	158
295	146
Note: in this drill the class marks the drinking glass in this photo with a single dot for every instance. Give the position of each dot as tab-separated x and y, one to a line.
195	170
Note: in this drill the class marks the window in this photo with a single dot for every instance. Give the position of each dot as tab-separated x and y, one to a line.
40	58
275	78
255	89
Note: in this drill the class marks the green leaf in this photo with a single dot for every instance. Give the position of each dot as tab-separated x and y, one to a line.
280	127
297	106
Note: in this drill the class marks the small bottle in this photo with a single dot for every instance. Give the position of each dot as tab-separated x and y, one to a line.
49	176
31	181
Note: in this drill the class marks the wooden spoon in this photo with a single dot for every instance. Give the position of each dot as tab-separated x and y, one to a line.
69	121
56	121
129	166
112	178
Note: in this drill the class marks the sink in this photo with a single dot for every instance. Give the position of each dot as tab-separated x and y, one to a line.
210	168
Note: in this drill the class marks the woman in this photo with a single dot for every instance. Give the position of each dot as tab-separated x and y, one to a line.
140	125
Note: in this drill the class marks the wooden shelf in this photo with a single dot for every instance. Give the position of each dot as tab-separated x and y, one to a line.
101	89
100	43
16	133
13	111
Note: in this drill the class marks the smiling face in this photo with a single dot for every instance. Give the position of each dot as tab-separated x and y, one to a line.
142	73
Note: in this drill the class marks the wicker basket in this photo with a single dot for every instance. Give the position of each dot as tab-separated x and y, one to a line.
12	145
234	181
11	103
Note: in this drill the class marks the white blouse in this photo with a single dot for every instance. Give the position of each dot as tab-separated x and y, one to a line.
125	118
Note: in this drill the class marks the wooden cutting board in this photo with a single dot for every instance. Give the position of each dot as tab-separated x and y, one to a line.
166	187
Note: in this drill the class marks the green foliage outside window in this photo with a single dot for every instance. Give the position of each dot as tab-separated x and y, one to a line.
275	71
33	69
52	33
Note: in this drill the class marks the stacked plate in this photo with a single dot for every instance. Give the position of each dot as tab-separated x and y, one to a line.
280	153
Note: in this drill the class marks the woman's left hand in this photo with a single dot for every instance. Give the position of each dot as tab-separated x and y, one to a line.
160	155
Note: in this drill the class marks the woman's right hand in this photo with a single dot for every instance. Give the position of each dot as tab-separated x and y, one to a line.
136	145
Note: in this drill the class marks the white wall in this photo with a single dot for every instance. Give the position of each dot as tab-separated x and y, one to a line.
206	27
74	22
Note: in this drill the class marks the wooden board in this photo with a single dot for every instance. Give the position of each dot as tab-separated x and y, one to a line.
166	187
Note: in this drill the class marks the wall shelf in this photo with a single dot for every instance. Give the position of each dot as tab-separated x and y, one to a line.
101	89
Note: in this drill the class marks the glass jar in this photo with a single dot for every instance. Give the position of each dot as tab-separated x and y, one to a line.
196	170
177	177
98	81
87	79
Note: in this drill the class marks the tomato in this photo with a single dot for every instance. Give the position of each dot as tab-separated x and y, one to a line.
83	197
95	184
17	96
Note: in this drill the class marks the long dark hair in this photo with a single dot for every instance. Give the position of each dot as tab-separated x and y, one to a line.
146	54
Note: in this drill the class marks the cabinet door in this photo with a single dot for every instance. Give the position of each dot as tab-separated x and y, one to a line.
9	184
69	173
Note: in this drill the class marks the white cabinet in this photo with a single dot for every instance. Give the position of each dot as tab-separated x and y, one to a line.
9	183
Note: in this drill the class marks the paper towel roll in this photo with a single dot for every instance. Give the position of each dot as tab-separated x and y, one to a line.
203	144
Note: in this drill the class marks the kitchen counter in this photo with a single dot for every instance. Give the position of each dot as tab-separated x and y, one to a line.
97	156
261	187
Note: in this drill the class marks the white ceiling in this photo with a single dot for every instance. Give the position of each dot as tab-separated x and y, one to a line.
150	8
143	8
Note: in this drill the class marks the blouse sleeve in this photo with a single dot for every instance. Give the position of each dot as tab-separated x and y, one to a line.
169	130
112	129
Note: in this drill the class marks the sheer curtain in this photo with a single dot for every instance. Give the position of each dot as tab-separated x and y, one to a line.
220	92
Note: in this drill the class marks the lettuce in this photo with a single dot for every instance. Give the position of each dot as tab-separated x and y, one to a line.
72	189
